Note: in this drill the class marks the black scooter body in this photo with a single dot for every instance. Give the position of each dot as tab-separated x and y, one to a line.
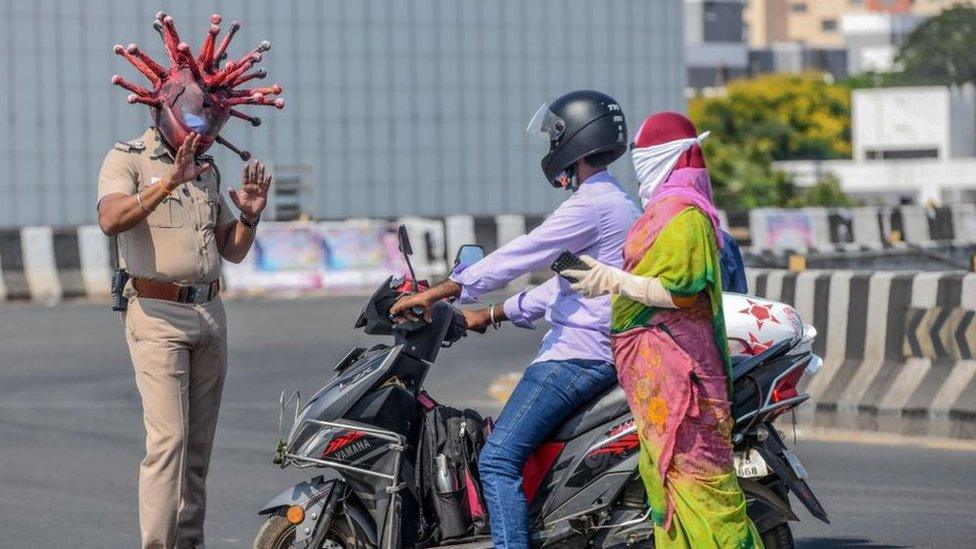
364	424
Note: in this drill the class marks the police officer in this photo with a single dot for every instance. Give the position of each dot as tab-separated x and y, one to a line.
161	198
173	228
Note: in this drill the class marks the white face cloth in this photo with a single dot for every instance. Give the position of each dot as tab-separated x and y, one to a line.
654	164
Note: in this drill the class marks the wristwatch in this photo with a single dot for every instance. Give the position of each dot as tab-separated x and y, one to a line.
248	222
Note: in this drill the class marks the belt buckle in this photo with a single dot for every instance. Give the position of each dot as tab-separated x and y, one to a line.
195	295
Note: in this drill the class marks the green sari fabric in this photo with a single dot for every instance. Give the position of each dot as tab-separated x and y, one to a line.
674	367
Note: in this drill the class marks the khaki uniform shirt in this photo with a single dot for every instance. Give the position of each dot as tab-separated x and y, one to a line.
176	242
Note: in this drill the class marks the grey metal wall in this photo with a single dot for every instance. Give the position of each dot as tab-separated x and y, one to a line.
393	107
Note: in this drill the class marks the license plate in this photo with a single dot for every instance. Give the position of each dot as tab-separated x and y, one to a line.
798	469
750	464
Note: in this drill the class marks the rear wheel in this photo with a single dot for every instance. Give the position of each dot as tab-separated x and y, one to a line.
278	533
778	538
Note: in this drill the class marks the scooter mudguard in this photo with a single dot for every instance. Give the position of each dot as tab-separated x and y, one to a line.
312	496
767	509
298	494
771	450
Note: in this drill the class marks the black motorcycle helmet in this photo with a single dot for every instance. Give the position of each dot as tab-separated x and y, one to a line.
581	124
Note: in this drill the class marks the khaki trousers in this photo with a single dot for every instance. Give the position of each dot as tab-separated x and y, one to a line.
179	352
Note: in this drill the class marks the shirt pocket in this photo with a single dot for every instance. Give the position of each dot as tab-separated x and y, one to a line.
168	214
209	208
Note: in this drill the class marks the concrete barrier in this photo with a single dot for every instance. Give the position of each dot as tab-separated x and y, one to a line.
898	347
46	263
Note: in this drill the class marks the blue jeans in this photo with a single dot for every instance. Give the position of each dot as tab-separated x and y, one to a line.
548	393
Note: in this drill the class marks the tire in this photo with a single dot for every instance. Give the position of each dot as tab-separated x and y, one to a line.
779	537
278	533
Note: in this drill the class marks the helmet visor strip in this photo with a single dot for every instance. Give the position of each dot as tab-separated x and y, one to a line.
546	124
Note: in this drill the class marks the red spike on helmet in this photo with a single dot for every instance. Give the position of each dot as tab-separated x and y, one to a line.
195	94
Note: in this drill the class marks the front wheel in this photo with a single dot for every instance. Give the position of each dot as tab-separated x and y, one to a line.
778	538
278	533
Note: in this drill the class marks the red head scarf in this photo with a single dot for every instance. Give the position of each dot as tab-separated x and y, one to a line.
670	126
687	184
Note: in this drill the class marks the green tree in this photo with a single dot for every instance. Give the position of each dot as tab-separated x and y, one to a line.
826	192
771	117
940	50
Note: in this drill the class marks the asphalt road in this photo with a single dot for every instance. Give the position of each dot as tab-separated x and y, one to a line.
71	432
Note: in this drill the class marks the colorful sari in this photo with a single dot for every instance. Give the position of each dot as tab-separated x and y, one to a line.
673	364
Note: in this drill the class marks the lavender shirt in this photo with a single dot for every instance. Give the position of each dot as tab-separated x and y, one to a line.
594	221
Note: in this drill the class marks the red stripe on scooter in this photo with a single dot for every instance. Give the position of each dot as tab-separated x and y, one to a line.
537	466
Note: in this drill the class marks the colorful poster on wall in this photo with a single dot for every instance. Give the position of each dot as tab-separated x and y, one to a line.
354	246
788	229
289	248
332	256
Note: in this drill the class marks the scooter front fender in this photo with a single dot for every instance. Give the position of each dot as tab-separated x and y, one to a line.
299	494
312	495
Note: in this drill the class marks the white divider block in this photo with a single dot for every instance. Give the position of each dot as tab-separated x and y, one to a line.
874	346
428	260
964	222
803	300
39	265
774	284
915	224
510	227
3	287
460	231
968	299
723	220
836	343
96	263
864	225
234	276
819	227
752	275
925	289
758	229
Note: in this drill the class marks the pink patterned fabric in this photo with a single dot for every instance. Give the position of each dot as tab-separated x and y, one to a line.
693	187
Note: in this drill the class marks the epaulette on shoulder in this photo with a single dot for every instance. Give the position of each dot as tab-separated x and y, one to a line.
135	145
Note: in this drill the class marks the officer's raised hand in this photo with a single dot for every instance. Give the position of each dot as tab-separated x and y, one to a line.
253	194
185	166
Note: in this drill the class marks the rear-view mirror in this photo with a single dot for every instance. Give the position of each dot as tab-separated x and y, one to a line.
469	254
404	240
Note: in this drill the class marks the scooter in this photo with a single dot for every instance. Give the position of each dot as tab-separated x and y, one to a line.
363	429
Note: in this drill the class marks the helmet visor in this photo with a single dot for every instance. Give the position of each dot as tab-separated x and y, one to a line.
546	124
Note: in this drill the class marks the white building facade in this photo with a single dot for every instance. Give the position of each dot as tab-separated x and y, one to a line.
910	145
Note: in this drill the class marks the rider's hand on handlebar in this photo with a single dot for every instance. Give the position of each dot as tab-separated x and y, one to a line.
404	308
477	320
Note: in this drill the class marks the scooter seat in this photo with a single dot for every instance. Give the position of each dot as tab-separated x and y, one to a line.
608	405
743	364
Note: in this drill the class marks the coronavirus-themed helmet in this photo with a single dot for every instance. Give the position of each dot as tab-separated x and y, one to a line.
581	124
196	94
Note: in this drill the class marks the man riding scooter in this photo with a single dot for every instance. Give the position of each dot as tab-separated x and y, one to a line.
586	132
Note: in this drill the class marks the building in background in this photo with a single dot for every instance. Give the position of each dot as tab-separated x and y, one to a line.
817	23
841	37
911	145
796	57
872	39
392	107
715	50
